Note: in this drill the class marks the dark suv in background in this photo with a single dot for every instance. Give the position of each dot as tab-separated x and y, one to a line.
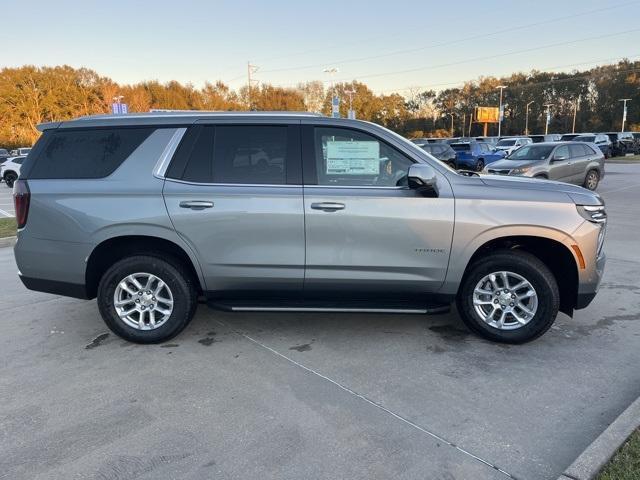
622	143
600	140
442	152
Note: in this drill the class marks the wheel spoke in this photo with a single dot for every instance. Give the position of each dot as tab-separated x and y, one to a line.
524	308
503	315
135	282
163	311
482	291
166	301
520	320
122	303
150	280
152	318
159	287
126	313
492	279
505	279
123	285
527	294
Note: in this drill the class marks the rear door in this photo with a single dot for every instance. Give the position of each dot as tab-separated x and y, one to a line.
580	157
367	233
233	192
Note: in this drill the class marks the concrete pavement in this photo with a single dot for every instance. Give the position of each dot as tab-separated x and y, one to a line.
317	396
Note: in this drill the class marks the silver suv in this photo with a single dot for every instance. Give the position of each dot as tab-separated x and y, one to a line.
149	212
578	162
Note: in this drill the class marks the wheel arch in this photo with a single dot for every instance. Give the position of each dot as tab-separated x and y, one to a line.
553	253
113	249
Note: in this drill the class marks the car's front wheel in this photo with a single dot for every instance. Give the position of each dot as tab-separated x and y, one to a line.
479	165
508	296
147	299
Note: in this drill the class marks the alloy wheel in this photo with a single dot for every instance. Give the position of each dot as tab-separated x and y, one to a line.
143	301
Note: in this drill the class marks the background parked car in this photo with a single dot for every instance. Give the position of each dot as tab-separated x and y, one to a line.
10	170
4	154
601	141
424	141
511	144
21	152
551	137
475	155
569	136
622	143
442	152
579	163
491	140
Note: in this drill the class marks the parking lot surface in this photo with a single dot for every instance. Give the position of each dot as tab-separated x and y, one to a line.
292	396
6	201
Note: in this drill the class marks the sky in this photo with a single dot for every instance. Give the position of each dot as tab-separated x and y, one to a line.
392	46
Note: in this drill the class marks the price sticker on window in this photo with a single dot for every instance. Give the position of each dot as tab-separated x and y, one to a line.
353	158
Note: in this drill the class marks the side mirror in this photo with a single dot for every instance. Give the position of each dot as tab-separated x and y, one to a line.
560	158
422	177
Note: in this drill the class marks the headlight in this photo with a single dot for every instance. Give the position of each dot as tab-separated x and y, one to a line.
593	213
520	170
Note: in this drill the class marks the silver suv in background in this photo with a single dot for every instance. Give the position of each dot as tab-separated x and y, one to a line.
149	212
579	163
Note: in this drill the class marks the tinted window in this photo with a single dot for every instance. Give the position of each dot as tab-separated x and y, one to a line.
578	150
347	157
91	153
247	154
18	160
506	143
586	138
461	147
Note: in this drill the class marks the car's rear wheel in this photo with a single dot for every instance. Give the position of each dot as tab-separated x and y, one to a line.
479	165
10	178
509	296
591	180
147	299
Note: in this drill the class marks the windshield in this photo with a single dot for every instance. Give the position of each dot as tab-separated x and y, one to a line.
532	152
506	143
589	138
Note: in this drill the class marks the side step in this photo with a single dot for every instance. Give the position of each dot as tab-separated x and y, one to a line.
326	307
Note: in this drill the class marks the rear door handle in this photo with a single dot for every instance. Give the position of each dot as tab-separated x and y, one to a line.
196	204
328	206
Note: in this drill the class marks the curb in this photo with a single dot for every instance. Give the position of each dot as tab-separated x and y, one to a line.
590	462
8	241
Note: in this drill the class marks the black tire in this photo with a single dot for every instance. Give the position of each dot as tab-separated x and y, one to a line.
530	268
479	165
10	178
451	165
591	180
173	273
541	176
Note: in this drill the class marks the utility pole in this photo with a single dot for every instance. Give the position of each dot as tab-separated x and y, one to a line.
464	122
501	111
526	119
251	69
451	114
575	111
624	111
548	119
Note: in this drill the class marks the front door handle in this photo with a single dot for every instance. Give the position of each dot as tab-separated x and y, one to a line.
196	204
328	206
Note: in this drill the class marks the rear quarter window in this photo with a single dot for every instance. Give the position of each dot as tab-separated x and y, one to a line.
84	153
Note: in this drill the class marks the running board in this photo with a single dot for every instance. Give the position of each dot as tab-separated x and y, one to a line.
333	309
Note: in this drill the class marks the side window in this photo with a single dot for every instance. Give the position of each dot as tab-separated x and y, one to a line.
562	151
577	151
250	154
86	153
347	157
238	154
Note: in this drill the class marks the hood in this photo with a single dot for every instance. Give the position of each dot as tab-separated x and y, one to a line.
581	196
511	164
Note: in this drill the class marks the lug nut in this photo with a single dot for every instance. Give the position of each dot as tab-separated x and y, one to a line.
143	307
153	298
495	301
511	304
139	292
513	295
137	300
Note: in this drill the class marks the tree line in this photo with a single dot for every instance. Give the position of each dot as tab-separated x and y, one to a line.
31	95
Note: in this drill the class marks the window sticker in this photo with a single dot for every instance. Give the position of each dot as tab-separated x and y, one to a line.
353	158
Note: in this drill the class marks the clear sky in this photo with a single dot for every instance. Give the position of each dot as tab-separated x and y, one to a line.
390	45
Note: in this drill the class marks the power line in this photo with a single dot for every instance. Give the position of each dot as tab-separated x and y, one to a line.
462	40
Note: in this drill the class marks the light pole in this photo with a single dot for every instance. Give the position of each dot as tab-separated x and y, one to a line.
500	111
548	119
351	113
451	114
624	111
332	71
526	119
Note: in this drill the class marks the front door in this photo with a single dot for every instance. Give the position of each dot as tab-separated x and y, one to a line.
366	231
234	194
560	165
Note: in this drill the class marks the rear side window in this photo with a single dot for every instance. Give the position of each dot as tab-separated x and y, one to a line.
579	150
88	153
233	154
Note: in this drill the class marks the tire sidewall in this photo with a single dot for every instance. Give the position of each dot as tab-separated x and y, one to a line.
586	182
535	272
181	289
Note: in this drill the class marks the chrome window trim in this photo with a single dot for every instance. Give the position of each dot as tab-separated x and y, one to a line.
203	184
162	164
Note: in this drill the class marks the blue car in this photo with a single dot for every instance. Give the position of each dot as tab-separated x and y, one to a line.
475	155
